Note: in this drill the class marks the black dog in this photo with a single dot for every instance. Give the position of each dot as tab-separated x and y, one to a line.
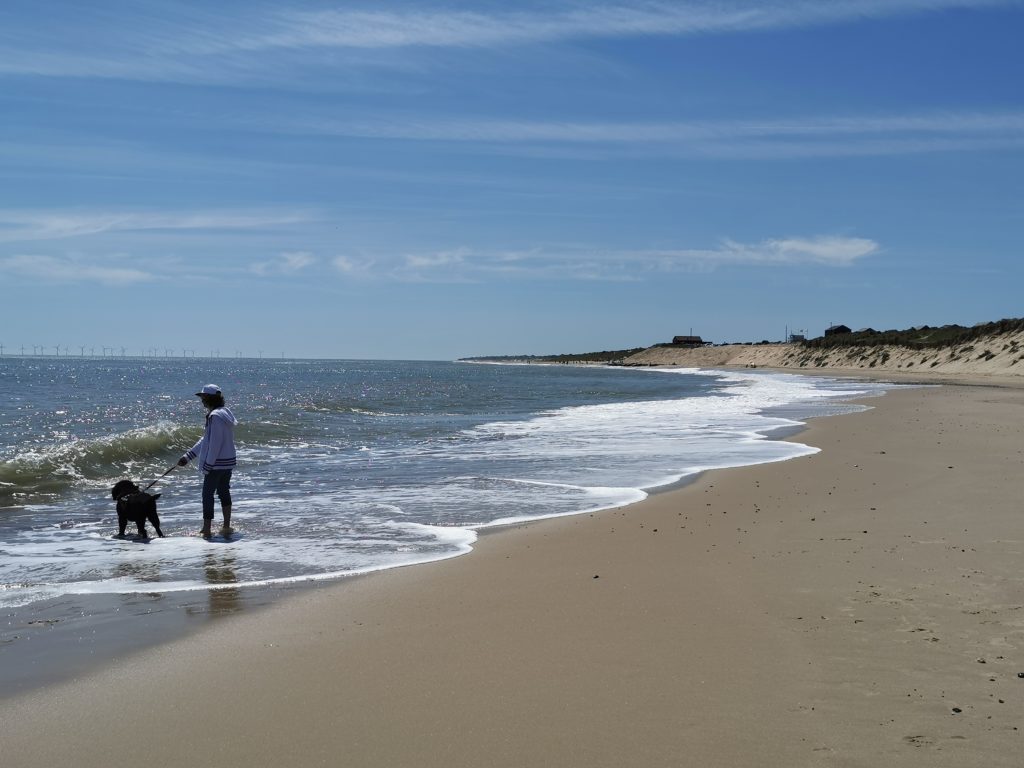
135	506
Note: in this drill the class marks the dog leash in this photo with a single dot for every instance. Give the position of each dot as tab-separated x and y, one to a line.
165	474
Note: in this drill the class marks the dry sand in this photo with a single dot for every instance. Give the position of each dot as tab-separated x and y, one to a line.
860	607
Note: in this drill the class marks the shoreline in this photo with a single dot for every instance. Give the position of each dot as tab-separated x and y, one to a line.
58	639
828	610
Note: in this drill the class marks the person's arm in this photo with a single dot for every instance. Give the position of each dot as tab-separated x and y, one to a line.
192	452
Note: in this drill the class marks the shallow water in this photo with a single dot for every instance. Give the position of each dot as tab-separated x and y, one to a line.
351	466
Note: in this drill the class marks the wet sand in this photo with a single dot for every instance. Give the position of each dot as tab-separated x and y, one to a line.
860	607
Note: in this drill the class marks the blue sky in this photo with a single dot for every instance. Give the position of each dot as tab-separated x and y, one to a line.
432	180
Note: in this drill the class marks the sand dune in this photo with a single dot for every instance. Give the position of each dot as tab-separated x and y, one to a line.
997	355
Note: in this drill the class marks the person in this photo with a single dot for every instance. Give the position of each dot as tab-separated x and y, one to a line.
215	455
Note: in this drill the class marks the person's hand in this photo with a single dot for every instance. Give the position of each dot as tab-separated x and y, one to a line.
182	461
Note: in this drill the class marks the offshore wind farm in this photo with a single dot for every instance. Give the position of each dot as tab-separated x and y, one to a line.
102	352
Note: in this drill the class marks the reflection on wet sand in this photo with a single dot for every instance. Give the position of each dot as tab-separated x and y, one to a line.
145	571
220	571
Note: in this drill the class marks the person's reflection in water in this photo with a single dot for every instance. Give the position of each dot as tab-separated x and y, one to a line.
220	570
137	571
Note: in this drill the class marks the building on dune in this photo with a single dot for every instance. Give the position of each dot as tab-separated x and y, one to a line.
690	341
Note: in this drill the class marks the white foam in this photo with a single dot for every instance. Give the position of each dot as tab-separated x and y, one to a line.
196	553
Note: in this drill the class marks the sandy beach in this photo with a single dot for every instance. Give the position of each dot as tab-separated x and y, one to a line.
860	607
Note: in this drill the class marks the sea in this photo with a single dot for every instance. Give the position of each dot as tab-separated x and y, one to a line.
347	466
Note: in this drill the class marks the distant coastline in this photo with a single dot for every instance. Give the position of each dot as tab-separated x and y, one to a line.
599	358
989	350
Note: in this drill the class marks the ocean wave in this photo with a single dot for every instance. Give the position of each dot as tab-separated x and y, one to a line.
42	473
345	408
48	470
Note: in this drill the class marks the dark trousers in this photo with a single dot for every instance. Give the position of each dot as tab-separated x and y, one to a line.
216	481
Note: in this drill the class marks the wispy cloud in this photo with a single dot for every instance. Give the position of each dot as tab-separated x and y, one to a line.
53	269
668	132
823	250
202	42
454	265
355	266
450	28
285	264
25	226
811	136
581	263
123	247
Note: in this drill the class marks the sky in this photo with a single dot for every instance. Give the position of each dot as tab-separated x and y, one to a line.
432	180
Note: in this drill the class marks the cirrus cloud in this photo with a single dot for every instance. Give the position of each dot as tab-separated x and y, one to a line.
204	42
288	263
596	264
72	270
31	225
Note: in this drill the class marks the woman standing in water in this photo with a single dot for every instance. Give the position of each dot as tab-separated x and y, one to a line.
216	454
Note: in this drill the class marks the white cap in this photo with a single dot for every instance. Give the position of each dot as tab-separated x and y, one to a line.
210	389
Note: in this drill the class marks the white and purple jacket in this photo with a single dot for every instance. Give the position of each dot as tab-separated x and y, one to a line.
216	448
